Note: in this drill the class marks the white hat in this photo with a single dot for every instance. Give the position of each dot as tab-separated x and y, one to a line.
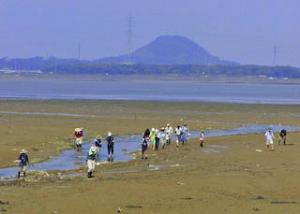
168	124
78	129
109	134
23	151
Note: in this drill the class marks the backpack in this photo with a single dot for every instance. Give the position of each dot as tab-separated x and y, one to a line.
23	159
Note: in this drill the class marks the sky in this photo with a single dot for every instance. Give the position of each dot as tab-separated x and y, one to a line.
246	31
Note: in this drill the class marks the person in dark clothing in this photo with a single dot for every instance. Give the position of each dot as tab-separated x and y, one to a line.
146	133
282	135
145	143
110	146
98	145
23	163
157	140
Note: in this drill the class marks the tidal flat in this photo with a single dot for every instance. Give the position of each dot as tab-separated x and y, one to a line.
175	180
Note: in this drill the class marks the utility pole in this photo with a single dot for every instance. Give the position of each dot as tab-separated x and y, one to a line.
79	51
275	50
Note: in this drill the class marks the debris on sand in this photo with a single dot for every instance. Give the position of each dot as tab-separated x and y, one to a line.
259	197
4	202
119	210
283	202
43	174
130	206
258	150
180	183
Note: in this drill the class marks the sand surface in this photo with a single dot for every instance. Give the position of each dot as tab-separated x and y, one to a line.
233	174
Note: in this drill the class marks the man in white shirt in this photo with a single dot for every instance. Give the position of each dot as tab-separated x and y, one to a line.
269	138
169	132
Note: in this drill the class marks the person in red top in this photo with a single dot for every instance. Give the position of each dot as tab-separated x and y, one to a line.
78	138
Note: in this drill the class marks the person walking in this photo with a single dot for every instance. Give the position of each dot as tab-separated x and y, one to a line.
78	134
184	134
98	144
152	138
146	133
178	133
162	137
169	132
201	138
110	146
91	160
269	139
145	143
23	163
157	139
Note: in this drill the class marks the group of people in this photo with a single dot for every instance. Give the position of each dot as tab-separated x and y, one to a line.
154	138
269	136
94	150
158	139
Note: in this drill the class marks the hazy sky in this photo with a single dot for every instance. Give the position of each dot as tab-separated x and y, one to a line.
241	30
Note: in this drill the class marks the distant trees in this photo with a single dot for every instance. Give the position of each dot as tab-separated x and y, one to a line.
66	66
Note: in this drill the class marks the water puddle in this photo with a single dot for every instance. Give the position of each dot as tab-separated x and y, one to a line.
126	145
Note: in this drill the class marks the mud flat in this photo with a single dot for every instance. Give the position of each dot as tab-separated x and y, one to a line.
243	178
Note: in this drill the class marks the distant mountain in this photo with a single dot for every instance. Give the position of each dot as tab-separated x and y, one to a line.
168	50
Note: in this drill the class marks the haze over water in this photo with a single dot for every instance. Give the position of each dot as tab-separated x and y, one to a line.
150	90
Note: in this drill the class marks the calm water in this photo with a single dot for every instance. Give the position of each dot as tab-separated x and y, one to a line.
160	90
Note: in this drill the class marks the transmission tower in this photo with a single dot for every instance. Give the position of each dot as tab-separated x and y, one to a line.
79	51
129	37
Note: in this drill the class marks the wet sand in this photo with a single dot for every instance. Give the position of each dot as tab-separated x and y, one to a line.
237	179
228	175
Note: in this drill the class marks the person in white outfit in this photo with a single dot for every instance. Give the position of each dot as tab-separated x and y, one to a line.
169	132
201	138
162	137
269	138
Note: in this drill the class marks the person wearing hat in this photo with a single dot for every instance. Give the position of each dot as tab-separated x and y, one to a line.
178	133
23	162
78	133
269	138
110	146
185	133
91	160
162	137
169	132
98	145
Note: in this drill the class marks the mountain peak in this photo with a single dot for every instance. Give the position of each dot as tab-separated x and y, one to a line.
168	49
